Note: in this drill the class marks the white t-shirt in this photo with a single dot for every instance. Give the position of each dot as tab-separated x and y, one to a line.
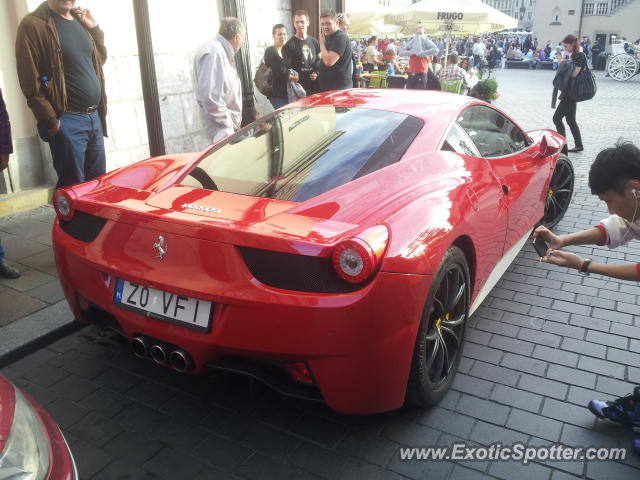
370	54
620	231
478	49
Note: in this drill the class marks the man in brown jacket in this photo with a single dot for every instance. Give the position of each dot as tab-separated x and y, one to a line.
60	52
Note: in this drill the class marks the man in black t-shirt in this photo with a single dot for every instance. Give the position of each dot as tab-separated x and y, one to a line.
335	49
60	52
303	53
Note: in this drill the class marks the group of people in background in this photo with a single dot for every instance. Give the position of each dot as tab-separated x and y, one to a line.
314	65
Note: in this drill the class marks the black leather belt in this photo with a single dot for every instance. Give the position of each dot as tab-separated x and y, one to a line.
86	110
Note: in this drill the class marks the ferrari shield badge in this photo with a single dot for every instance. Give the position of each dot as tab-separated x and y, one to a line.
161	248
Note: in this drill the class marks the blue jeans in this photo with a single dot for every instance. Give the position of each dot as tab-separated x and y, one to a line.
417	81
1	253
77	149
276	103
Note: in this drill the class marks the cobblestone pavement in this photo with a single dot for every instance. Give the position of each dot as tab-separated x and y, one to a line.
544	342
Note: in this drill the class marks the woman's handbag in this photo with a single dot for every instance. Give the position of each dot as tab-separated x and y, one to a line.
583	87
295	91
263	79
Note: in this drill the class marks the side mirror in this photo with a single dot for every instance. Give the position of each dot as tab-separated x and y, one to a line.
547	149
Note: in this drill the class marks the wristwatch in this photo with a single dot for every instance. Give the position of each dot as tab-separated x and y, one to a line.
584	269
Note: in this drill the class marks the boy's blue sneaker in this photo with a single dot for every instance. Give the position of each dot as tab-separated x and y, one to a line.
624	410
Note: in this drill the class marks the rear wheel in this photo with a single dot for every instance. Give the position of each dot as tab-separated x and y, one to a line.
559	193
439	342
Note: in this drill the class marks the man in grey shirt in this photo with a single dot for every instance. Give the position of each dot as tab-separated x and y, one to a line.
218	88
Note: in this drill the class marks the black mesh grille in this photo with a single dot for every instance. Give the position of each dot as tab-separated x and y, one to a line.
295	272
83	227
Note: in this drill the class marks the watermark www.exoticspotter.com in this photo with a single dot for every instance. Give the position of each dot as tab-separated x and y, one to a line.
461	451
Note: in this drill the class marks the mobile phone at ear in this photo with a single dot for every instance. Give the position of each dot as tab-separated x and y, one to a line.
74	12
540	246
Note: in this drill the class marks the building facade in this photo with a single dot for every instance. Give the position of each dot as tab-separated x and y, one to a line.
600	20
522	10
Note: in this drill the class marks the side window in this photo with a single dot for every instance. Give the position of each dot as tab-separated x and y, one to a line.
458	141
493	133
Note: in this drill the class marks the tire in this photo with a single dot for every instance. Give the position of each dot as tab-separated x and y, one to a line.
559	193
441	332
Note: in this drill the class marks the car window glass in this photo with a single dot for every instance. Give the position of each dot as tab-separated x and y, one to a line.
493	133
458	141
299	153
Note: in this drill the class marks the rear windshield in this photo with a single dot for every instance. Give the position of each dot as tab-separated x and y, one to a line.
298	153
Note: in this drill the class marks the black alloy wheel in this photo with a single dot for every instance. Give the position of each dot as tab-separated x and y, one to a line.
559	193
440	337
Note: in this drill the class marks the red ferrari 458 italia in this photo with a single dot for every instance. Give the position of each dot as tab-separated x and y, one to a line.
31	444
333	249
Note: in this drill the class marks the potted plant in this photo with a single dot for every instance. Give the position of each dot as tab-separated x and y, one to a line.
486	90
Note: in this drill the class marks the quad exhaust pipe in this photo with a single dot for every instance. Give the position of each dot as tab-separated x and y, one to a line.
139	347
161	353
158	354
180	361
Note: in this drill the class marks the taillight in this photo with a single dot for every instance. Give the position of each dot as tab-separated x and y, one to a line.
63	205
358	258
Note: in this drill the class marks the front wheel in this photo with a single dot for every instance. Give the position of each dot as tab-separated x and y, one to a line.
438	345
559	193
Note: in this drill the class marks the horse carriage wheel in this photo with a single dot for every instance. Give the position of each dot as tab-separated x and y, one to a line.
622	67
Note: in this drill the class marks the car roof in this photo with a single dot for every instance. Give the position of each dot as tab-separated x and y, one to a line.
419	103
437	109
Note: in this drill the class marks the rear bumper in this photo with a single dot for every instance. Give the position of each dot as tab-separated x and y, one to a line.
358	345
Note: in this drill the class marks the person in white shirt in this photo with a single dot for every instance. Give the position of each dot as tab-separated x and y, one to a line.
478	51
470	73
371	58
518	55
217	83
615	178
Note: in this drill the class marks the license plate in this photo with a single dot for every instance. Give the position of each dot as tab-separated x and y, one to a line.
171	307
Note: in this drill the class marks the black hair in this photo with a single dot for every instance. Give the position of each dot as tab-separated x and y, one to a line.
614	167
277	26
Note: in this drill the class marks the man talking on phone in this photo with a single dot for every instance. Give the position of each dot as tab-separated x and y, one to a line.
615	178
60	52
335	54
